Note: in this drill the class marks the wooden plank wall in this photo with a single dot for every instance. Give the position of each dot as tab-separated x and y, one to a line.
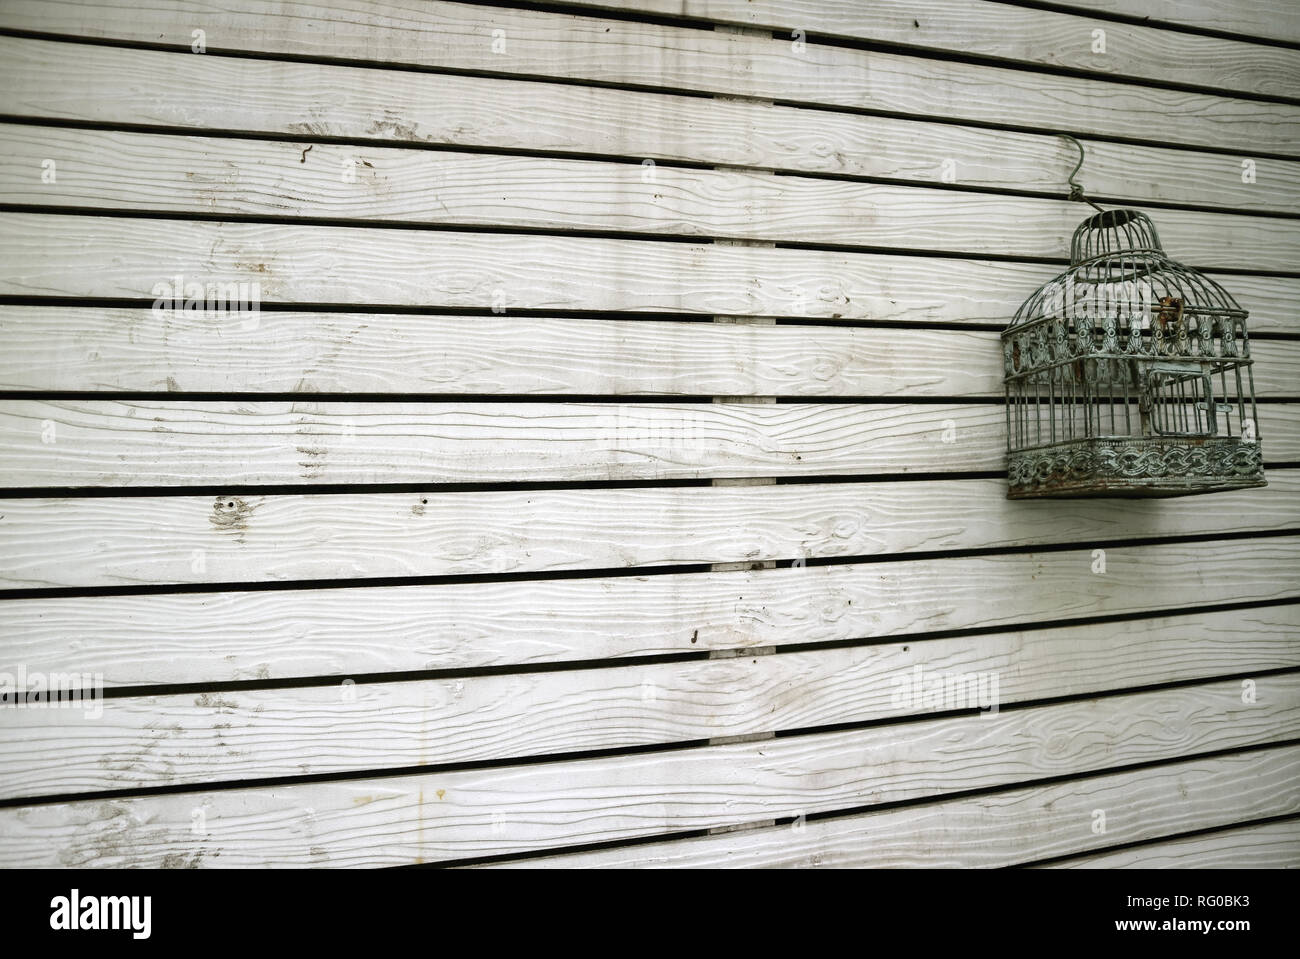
618	436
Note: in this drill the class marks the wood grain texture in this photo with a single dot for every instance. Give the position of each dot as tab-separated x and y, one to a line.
176	175
188	443
102	443
114	85
1275	19
1001	829
675	701
1273	845
1043	37
133	540
107	349
94	348
517	809
48	254
244	736
234	635
188	739
434	34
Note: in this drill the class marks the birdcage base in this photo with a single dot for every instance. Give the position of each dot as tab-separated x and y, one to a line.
1135	467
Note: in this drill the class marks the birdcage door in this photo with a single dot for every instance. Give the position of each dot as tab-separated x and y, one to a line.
1180	400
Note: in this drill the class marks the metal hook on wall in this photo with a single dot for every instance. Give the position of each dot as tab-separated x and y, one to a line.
1076	189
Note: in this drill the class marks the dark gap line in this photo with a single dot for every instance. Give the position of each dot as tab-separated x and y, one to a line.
915	50
548	575
402	676
589	847
1242	271
452	310
1026	704
434	310
830	478
508	230
974	551
444	579
1275	336
783	822
974	188
522	399
618	399
1139	21
274	489
1068	777
505	230
582	665
997	257
1038	68
1037	625
343	223
350	775
1158	841
354	62
1032	129
622	159
610	399
522	486
372	142
473	312
616	85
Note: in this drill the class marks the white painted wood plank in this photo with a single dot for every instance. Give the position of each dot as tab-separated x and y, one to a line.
448	815
102	443
189	739
1001	829
233	636
1264	297
48	254
1276	19
1043	37
201	175
114	85
1273	845
135	540
188	443
108	349
94	348
457	36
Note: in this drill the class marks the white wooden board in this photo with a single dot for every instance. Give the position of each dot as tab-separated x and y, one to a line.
261	635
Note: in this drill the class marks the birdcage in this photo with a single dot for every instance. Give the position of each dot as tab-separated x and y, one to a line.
1129	375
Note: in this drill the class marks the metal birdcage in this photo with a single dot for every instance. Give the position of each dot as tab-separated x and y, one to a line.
1129	374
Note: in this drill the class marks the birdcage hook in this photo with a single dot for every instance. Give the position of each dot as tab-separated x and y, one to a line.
1076	189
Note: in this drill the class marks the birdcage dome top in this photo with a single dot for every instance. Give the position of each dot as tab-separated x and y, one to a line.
1118	254
1114	233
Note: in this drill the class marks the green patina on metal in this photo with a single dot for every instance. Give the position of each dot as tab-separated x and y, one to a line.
1129	375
